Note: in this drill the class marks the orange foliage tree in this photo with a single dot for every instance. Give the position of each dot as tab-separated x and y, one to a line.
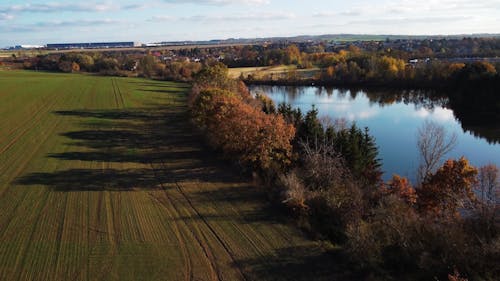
401	187
444	192
292	55
242	131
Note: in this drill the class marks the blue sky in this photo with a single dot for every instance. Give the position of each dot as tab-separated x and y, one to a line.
53	21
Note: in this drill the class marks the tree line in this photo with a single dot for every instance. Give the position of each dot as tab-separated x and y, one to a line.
428	63
328	175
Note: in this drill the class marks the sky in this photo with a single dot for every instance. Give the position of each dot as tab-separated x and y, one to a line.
57	21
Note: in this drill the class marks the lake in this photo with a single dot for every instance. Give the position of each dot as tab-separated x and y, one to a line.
393	119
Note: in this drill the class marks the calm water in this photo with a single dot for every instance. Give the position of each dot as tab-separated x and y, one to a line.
393	123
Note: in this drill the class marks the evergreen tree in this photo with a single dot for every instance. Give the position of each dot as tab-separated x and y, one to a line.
311	130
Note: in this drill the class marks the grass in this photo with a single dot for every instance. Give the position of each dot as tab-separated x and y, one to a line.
102	178
260	71
271	72
22	53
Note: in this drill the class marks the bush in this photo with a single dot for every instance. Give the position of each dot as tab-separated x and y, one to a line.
294	193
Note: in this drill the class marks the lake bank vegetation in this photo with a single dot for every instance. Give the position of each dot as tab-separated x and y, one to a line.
327	174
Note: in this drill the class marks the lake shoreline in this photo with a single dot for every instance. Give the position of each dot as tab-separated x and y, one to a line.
393	115
445	86
349	85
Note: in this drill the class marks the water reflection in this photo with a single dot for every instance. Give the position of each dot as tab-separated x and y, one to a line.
394	116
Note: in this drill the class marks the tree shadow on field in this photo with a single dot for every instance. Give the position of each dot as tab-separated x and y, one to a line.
160	149
159	142
303	264
160	85
167	91
239	197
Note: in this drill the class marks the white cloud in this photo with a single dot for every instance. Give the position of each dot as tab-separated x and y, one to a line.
421	113
41	26
329	14
222	18
408	9
5	16
443	114
409	20
56	7
439	114
325	14
162	18
219	2
243	17
367	114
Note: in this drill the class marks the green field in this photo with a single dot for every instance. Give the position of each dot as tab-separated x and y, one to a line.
271	72
103	179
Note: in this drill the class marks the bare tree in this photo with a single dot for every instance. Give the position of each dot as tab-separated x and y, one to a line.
295	193
488	188
433	142
487	207
325	167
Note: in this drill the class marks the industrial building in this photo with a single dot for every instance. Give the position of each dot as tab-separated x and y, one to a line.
101	45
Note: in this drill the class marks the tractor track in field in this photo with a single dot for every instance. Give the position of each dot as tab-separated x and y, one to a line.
204	245
244	233
37	115
213	231
114	229
33	231
21	168
188	266
120	102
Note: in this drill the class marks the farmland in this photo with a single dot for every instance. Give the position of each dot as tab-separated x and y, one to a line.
271	72
104	179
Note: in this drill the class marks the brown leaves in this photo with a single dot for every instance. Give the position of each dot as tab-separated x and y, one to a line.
445	191
242	131
401	187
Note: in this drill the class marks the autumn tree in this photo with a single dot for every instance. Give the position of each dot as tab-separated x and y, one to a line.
215	76
75	67
212	77
292	55
65	66
330	71
244	132
401	187
261	140
390	68
86	62
478	70
147	65
206	104
106	64
447	190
